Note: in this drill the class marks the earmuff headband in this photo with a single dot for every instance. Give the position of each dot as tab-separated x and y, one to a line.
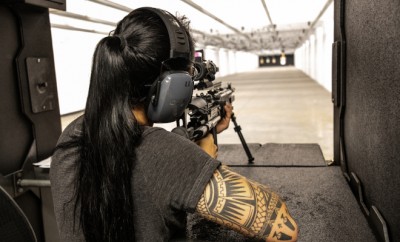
178	38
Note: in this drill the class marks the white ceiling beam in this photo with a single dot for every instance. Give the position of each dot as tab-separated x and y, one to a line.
274	33
73	28
82	17
113	5
327	4
205	12
314	23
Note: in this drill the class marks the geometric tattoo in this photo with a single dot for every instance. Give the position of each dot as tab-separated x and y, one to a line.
246	206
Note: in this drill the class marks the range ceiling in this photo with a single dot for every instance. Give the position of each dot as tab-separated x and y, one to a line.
252	25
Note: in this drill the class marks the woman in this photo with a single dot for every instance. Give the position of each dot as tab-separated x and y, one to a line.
116	178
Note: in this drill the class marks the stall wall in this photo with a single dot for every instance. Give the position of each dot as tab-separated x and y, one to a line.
367	117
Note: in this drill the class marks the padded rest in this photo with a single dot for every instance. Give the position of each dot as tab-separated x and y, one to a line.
272	154
319	199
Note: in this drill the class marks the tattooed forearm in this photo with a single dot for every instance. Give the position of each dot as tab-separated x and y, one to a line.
247	207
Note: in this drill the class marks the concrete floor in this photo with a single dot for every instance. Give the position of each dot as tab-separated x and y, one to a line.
281	105
276	105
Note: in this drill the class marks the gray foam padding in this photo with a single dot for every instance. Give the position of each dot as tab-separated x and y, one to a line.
372	115
318	198
234	154
272	154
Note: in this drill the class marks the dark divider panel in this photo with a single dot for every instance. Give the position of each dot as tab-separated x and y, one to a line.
30	118
29	107
371	117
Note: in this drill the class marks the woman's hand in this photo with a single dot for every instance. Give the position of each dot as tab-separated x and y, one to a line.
224	123
207	144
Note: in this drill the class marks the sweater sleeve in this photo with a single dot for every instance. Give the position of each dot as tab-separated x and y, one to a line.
177	170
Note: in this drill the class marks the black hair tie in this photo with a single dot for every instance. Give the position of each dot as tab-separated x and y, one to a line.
122	41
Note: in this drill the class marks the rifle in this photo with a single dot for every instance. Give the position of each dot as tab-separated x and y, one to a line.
207	109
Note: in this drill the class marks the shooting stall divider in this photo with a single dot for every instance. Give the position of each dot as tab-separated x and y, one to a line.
365	90
30	121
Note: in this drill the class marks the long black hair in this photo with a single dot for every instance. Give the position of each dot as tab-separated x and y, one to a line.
123	65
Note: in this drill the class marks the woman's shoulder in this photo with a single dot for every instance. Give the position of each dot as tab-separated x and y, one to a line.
67	145
73	129
162	135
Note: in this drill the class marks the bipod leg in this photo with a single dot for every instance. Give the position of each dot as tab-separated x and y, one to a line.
238	130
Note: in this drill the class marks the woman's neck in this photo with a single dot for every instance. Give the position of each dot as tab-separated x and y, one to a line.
140	115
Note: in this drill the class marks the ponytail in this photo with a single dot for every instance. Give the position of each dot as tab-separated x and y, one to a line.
110	132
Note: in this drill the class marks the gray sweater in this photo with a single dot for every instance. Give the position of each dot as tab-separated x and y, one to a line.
169	177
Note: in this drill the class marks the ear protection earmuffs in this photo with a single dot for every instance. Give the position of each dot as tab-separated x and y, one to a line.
172	91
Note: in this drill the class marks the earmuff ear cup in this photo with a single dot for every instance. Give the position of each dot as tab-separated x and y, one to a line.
169	97
172	91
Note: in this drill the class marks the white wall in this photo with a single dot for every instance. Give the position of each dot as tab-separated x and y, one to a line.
245	61
231	61
73	53
314	57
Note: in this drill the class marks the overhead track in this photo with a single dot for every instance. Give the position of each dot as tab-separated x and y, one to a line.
312	25
68	27
275	34
221	40
205	12
113	5
268	15
82	17
327	4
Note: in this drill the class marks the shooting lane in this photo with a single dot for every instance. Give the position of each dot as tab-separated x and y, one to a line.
357	197
353	199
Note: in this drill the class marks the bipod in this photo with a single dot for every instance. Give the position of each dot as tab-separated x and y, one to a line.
238	130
